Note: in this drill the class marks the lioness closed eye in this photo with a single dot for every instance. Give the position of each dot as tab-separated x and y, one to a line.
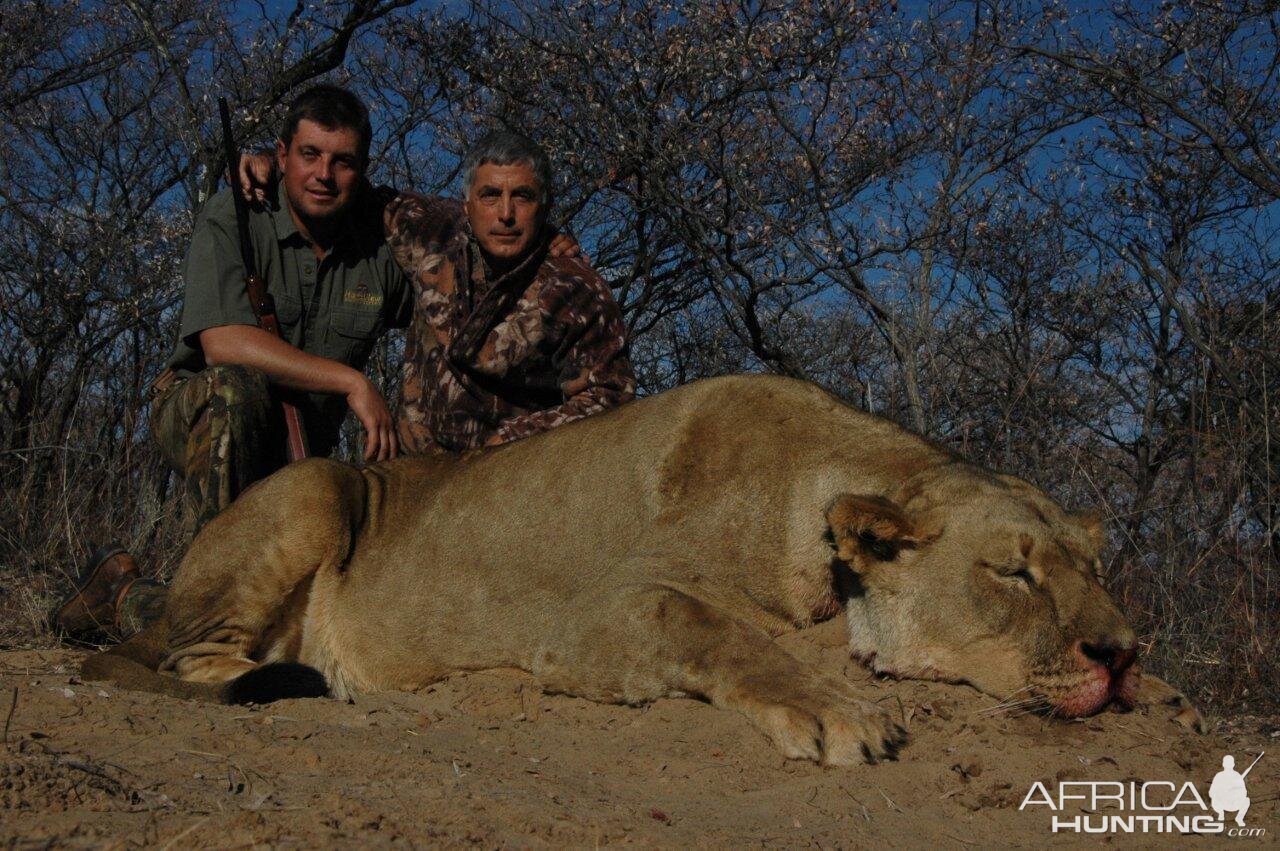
655	551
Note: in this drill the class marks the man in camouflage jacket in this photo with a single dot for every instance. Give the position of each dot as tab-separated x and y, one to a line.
506	341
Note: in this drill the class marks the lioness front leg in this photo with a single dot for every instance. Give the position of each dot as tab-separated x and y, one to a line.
239	596
639	643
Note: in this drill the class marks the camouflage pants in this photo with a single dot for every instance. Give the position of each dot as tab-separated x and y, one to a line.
221	431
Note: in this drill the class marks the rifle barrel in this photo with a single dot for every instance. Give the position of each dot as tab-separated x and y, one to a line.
232	154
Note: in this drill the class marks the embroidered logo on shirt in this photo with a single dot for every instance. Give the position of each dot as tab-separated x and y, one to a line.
361	295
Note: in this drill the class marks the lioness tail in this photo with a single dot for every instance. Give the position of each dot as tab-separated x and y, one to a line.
277	681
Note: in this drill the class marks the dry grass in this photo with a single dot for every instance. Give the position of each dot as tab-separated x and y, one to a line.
1213	630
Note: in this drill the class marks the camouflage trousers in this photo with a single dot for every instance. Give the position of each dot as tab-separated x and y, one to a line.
221	430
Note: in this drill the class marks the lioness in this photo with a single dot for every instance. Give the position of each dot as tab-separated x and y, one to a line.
655	551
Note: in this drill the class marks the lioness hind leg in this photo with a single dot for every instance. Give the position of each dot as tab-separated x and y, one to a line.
244	580
643	642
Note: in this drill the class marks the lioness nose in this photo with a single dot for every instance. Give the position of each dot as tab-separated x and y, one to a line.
1116	657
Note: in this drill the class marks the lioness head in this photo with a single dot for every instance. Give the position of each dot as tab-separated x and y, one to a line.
968	576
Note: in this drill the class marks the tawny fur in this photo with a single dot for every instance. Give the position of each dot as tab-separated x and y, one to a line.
648	552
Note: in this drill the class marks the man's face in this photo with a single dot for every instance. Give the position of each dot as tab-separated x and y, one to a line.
321	169
505	209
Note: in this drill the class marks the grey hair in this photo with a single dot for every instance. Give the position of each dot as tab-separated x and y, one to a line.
503	147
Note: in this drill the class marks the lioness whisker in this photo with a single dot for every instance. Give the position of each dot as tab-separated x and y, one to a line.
1034	703
1009	701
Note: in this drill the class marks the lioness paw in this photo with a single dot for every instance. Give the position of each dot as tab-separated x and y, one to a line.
862	732
1160	699
1186	715
838	733
797	733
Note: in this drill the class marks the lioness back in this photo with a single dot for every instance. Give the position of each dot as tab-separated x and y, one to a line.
725	474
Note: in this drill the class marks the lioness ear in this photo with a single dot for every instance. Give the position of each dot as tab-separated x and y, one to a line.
868	528
1094	529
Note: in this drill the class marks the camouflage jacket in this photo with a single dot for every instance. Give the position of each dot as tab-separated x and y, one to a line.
539	347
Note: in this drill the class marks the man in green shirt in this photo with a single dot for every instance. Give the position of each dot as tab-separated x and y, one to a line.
215	412
321	252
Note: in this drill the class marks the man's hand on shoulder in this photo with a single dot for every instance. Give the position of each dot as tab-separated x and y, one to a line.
564	245
257	176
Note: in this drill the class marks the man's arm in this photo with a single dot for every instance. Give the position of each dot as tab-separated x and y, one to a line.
595	373
249	345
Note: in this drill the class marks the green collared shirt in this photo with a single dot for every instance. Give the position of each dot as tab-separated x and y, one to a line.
336	307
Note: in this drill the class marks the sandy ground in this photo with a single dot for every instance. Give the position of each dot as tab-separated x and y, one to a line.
488	759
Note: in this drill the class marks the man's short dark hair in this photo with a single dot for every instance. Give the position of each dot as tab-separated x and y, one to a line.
503	147
333	108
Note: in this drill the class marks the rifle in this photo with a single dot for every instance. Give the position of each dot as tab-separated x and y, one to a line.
263	305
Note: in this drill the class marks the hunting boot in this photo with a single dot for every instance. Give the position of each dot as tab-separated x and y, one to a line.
111	599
